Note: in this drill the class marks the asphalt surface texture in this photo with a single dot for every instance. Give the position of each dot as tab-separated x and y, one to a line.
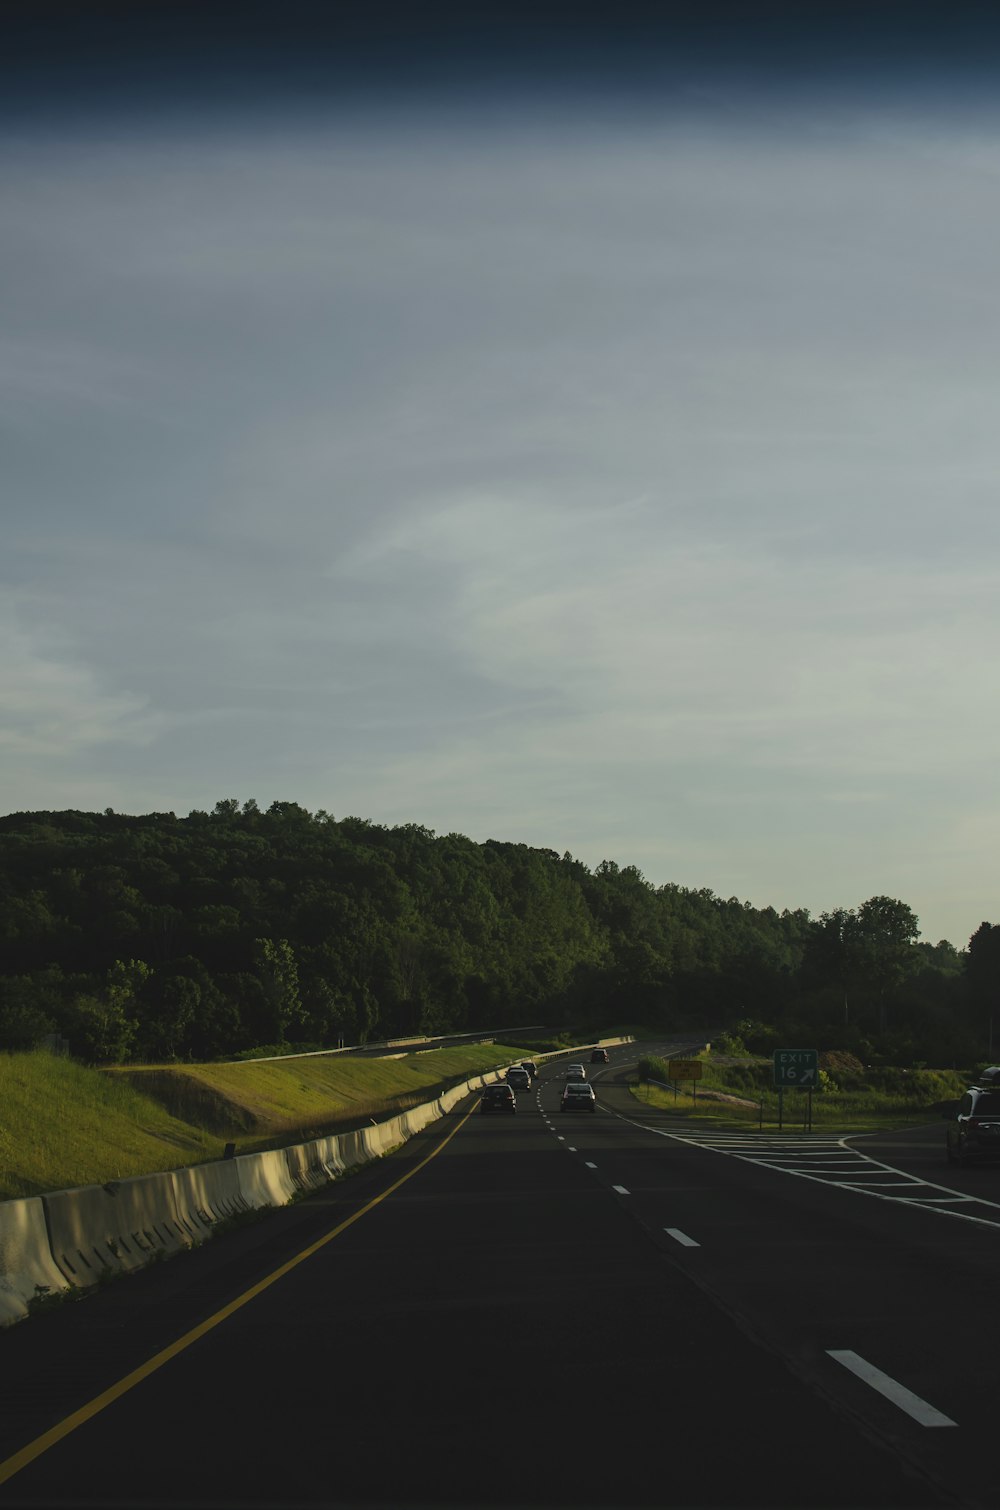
624	1308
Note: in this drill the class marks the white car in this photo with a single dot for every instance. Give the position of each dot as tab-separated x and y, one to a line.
575	1072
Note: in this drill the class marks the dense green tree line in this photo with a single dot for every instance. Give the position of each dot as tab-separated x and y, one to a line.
158	937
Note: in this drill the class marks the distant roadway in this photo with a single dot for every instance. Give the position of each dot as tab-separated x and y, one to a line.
609	1309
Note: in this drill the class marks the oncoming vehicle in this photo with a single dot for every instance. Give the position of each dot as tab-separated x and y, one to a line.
497	1098
578	1096
974	1132
518	1078
575	1072
599	1056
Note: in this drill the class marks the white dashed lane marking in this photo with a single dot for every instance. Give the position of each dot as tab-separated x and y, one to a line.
620	1189
681	1237
891	1388
591	1166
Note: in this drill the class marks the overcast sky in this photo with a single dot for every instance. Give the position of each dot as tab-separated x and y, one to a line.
619	478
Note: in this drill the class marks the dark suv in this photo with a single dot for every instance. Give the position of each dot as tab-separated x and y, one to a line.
974	1132
578	1096
498	1098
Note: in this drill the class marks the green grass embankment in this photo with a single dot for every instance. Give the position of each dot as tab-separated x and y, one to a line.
62	1124
881	1098
269	1100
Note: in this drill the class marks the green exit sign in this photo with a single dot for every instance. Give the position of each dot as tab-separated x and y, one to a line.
796	1068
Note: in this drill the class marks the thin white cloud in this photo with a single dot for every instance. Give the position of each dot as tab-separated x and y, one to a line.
52	707
829	664
41	379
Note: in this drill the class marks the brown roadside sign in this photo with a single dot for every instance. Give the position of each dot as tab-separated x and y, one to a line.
686	1069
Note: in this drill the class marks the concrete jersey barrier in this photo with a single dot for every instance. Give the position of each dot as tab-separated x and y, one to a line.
98	1229
27	1269
205	1195
305	1169
264	1179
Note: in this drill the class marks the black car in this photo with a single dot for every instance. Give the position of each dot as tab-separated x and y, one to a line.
531	1067
518	1077
599	1056
974	1132
498	1098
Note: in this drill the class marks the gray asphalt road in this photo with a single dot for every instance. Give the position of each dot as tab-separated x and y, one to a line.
552	1310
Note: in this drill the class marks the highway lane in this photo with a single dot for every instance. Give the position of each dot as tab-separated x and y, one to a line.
504	1328
814	1270
921	1152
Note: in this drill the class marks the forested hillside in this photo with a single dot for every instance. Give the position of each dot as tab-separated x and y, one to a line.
157	938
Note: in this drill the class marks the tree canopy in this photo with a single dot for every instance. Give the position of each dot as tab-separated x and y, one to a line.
156	937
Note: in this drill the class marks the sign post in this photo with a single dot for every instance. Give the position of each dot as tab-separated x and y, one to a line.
686	1069
797	1069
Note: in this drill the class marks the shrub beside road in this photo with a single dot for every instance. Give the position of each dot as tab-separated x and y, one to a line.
850	1096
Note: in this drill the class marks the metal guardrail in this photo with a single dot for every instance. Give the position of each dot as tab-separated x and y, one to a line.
374	1049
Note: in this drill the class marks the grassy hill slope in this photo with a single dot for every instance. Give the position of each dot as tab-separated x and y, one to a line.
62	1124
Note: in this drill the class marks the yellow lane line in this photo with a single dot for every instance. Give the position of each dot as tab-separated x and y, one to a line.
100	1402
